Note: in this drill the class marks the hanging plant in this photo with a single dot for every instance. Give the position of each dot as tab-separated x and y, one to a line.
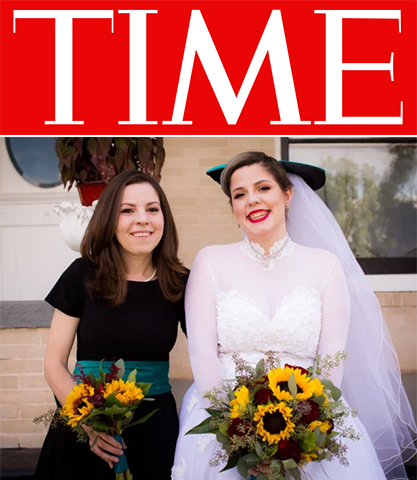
94	159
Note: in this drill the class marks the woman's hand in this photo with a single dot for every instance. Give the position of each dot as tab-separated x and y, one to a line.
261	468
103	445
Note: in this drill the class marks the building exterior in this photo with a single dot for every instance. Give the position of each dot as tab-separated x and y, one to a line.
33	255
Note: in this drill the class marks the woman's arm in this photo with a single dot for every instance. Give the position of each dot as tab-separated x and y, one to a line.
200	311
335	316
61	339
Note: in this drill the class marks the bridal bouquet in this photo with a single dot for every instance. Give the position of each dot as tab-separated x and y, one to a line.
281	417
106	404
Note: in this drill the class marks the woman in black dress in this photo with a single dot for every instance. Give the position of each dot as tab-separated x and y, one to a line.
122	299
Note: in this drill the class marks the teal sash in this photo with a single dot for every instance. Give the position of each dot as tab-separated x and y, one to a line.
148	372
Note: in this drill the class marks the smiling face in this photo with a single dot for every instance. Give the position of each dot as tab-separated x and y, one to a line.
140	225
259	204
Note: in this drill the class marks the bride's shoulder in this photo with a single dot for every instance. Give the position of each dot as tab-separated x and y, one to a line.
320	255
213	252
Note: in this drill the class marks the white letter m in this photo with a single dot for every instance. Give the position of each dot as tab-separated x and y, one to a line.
273	42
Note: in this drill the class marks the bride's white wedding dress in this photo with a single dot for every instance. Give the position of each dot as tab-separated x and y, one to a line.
294	302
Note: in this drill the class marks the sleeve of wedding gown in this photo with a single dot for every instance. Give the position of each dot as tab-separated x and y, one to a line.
335	316
200	313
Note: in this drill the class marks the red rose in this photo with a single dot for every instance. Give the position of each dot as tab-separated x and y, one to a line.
303	370
313	413
236	428
288	449
262	396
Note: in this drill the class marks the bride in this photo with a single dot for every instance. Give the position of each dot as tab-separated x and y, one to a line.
291	286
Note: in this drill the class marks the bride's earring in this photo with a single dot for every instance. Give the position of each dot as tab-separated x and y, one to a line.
287	209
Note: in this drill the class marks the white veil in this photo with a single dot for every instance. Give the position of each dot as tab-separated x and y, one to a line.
372	378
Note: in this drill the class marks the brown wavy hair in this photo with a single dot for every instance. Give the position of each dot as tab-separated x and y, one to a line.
101	249
250	158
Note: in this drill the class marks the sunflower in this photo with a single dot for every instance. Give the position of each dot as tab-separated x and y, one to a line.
274	422
307	457
278	383
240	402
125	392
76	405
324	426
318	388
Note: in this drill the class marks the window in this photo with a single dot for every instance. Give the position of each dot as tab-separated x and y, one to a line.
371	189
35	160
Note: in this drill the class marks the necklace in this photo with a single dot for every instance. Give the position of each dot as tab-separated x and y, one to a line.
151	277
279	249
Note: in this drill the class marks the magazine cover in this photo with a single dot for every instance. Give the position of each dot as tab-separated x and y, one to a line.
208	239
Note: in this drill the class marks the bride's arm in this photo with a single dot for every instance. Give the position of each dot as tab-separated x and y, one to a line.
200	313
335	316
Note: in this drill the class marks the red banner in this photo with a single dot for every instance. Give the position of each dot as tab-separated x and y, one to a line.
208	67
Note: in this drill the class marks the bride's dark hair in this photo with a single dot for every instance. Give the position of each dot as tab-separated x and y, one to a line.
250	158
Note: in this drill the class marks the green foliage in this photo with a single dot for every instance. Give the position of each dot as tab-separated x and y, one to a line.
260	368
142	419
259	450
144	387
87	159
292	386
213	413
132	376
308	443
252	459
295	473
120	364
320	399
320	436
111	401
115	409
48	418
335	392
324	365
203	427
224	429
231	463
375	208
100	426
290	463
242	467
223	439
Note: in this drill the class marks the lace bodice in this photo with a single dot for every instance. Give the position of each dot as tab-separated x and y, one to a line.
296	307
294	328
292	331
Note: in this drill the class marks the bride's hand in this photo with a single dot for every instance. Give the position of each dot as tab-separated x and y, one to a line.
103	445
261	468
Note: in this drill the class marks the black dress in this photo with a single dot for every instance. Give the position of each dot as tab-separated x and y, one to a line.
144	328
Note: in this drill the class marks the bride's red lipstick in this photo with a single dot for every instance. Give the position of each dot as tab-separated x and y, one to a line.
260	219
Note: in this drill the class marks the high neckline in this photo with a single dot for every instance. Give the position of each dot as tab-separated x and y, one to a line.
280	249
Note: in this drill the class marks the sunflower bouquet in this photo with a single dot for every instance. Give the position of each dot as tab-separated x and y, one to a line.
281	417
106	404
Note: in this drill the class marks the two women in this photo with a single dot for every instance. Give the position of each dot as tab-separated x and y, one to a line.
279	289
274	292
122	299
